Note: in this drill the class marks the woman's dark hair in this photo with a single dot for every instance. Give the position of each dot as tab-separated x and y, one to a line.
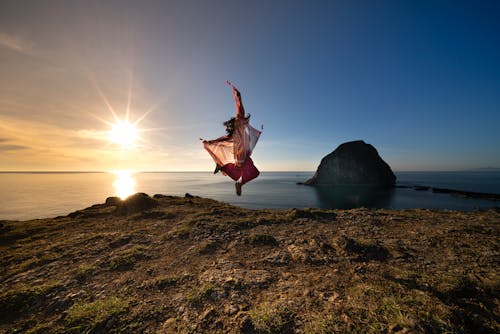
229	124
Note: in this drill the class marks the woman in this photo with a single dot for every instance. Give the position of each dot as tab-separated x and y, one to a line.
232	152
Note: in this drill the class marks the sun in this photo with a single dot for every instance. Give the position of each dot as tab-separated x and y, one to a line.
124	134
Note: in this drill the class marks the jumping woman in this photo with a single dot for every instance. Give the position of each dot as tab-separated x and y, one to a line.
232	151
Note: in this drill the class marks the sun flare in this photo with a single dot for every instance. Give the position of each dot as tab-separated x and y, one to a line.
124	134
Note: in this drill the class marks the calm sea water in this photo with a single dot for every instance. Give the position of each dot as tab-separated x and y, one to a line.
40	195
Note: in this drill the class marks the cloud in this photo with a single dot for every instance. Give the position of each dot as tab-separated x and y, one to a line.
6	145
16	43
4	148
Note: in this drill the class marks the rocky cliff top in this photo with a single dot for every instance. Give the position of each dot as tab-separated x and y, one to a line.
167	264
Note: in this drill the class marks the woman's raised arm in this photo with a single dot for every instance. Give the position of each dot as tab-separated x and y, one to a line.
240	111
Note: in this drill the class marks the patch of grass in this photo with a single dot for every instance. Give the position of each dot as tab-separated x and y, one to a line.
420	303
120	242
197	220
362	290
175	325
87	316
183	232
268	318
324	323
380	308
393	312
28	264
310	214
163	282
241	223
207	247
262	240
466	287
367	249
13	303
430	322
157	215
128	258
197	295
85	272
267	220
40	328
38	260
467	295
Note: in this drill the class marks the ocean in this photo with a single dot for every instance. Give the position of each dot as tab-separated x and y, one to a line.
41	195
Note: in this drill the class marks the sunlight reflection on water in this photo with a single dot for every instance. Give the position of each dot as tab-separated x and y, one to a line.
124	183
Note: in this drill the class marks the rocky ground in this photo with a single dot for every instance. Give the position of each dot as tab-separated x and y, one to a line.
190	265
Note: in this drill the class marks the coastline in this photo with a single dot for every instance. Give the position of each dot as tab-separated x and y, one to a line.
189	264
453	192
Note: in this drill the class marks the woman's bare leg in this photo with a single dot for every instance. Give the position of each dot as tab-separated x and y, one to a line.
238	186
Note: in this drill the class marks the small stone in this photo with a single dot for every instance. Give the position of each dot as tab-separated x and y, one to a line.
278	258
260	278
308	293
333	297
231	309
168	323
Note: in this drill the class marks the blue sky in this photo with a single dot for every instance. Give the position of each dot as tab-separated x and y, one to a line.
419	80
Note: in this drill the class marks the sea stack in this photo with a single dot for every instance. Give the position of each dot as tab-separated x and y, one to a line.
354	163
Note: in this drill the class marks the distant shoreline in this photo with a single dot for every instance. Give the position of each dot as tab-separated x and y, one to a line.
453	192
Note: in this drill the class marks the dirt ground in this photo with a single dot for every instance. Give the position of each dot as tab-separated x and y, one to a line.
167	264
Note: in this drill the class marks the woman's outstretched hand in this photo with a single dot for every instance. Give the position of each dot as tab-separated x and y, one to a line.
235	90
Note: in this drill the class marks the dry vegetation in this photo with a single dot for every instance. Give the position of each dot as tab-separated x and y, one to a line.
193	265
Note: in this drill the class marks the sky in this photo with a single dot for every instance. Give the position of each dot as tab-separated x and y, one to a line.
419	80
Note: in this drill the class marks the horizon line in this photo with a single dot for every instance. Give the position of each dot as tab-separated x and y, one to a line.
209	171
